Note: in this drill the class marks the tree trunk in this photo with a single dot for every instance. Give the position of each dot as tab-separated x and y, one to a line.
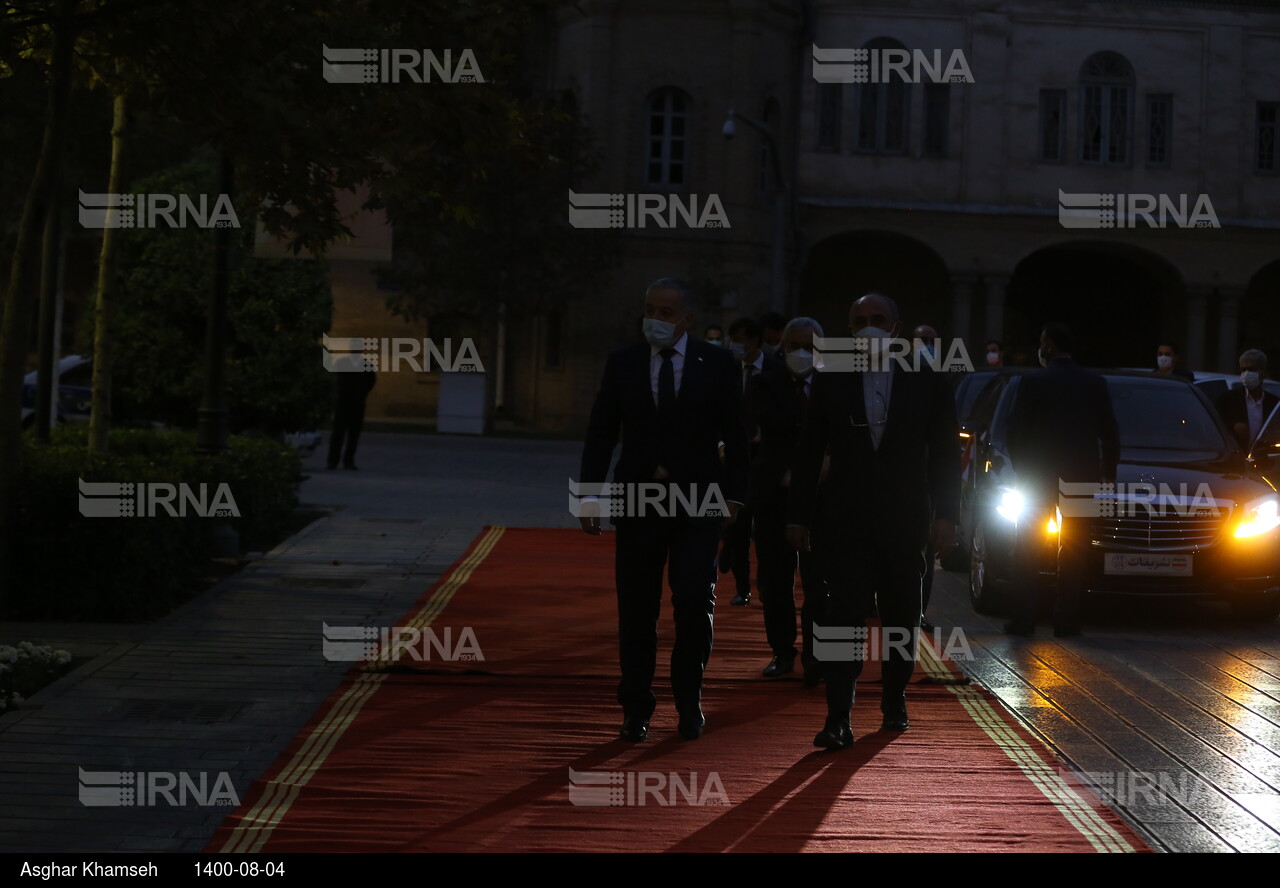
14	337
50	296
211	418
100	417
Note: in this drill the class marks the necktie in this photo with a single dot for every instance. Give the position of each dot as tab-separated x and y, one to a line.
666	384
801	396
747	370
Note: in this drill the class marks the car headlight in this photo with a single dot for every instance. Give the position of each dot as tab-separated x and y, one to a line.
1259	516
1011	504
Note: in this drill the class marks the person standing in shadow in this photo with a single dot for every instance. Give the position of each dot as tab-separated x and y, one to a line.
352	385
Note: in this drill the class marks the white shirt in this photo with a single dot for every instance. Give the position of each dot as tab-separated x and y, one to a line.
876	388
756	366
677	365
1254	406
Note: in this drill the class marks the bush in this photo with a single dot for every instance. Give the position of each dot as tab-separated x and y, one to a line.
26	669
135	568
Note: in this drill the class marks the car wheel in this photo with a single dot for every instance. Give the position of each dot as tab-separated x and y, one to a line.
982	586
1259	608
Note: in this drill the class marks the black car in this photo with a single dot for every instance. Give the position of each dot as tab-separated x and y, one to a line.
966	389
1190	514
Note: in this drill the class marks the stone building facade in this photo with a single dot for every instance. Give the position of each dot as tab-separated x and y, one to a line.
944	188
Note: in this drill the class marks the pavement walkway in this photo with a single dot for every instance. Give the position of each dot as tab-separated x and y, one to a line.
1174	695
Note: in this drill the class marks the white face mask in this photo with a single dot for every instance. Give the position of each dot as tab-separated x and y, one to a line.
993	358
739	350
879	338
800	361
1164	362
1250	379
926	352
659	334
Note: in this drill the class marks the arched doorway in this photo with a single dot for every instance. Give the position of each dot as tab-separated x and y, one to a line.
1260	318
848	265
1120	302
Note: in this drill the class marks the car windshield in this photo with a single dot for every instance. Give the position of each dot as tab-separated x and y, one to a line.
1158	415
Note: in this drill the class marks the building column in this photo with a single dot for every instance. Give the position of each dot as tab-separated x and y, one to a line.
1229	325
1197	299
963	286
997	287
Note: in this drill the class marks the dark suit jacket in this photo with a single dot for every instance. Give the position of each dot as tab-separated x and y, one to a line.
352	388
708	411
898	488
1063	427
1232	407
777	409
770	364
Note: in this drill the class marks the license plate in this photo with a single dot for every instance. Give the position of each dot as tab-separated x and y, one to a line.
1146	564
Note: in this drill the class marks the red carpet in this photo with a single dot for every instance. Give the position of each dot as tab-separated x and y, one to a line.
518	752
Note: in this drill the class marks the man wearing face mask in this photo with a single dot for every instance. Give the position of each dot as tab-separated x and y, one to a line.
778	398
1246	408
926	342
771	324
1167	363
746	341
714	335
995	354
672	399
891	433
1062	428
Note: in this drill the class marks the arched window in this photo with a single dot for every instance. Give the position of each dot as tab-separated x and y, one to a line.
830	98
1106	109
882	109
667	140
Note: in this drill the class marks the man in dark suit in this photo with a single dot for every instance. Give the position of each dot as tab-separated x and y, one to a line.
351	388
891	431
771	325
1062	428
1169	364
1245	409
747	344
778	399
672	399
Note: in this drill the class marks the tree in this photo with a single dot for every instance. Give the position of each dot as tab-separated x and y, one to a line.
246	79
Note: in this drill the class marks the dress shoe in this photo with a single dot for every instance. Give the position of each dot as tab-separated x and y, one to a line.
1017	627
741	599
634	728
691	728
895	713
835	734
351	467
779	667
1067	630
812	673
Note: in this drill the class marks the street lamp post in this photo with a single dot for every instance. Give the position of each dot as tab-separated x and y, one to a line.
778	284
